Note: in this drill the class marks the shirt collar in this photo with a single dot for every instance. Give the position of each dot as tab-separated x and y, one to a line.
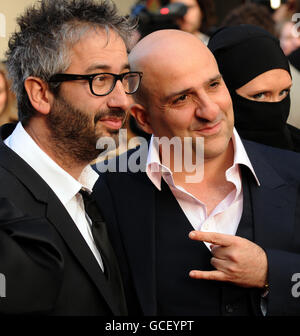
62	183
241	156
155	170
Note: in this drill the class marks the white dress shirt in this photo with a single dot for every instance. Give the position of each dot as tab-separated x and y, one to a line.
226	216
63	184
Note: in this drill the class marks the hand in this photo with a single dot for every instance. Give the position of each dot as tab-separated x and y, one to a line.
236	260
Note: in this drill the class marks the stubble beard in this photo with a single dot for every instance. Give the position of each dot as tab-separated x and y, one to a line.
73	132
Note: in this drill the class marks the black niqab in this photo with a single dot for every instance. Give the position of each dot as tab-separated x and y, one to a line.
243	53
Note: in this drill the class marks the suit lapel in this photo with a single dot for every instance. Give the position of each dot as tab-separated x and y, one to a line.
134	197
273	212
274	204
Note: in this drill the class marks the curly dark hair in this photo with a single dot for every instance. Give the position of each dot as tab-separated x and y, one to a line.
47	32
209	14
251	13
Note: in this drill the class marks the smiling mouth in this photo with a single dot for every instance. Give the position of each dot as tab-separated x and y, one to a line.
112	122
211	130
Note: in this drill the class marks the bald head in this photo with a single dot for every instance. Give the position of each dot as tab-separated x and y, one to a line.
163	51
164	44
182	91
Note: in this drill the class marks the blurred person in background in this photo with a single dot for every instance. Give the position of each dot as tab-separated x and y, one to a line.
286	11
251	13
285	25
8	110
289	41
289	37
293	54
199	19
257	74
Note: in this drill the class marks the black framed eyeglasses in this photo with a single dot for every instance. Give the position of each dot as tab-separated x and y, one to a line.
101	84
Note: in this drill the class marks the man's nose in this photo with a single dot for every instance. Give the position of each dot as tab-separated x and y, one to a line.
118	98
207	108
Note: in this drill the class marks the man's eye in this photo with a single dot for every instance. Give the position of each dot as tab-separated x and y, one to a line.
180	99
100	78
214	84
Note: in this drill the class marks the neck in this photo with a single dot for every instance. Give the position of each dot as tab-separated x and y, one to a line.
213	187
212	171
40	134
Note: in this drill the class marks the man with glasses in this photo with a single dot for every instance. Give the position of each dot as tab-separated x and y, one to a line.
69	67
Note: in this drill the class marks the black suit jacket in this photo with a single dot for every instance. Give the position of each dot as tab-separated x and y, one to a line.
48	267
130	199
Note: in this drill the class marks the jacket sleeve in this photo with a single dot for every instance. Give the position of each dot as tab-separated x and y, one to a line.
284	281
284	270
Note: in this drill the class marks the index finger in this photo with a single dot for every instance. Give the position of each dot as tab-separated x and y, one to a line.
212	237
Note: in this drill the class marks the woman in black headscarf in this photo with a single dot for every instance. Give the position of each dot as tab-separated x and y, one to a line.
257	75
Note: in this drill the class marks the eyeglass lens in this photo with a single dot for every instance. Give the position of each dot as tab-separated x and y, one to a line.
103	83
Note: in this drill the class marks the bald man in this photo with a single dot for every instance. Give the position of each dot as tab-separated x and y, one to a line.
225	243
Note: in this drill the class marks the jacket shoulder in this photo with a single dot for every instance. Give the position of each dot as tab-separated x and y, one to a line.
286	163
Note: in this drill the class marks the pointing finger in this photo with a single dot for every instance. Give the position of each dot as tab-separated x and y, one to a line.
212	237
209	275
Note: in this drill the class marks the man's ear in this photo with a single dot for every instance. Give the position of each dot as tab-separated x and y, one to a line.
141	116
38	94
